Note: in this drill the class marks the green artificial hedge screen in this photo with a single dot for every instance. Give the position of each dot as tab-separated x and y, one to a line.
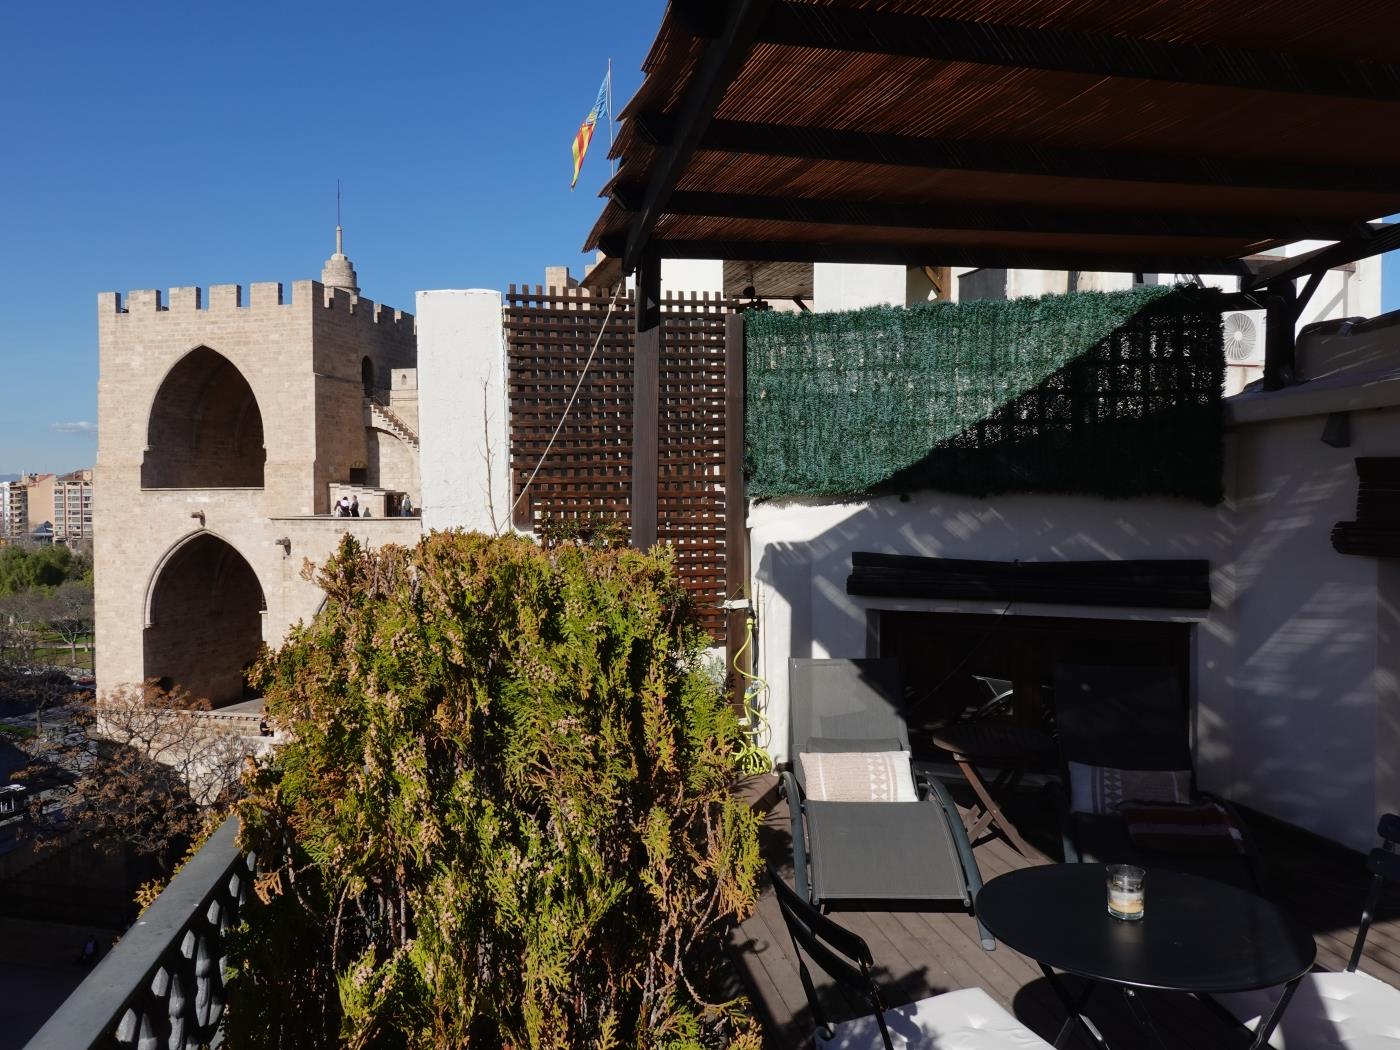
1114	394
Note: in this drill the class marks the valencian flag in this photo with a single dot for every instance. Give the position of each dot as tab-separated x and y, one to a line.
585	131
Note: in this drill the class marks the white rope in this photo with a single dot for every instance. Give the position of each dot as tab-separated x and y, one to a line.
572	397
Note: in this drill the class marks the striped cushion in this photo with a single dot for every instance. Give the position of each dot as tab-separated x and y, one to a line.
1102	789
858	776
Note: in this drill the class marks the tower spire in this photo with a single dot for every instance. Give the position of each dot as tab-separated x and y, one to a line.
339	271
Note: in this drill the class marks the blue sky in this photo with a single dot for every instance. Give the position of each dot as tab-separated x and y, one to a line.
160	144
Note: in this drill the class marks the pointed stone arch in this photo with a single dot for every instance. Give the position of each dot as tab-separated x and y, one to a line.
205	429
204	619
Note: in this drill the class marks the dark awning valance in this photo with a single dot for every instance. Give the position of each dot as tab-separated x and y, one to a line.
1376	530
1158	583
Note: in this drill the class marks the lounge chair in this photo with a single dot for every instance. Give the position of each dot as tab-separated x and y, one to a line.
1348	1010
963	1020
1124	738
902	845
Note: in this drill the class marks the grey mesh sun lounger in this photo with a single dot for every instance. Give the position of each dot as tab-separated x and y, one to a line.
870	855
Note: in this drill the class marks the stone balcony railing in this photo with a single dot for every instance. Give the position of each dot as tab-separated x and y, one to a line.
162	985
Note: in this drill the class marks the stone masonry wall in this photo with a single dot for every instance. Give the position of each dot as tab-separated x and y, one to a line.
346	331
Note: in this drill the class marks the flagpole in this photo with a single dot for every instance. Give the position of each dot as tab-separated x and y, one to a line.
612	159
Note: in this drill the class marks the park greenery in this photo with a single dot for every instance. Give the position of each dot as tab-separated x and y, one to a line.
45	603
503	816
25	568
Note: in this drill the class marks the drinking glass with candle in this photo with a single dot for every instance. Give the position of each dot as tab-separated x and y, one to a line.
1126	894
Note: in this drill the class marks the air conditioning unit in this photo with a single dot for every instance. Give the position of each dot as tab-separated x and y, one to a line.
1244	338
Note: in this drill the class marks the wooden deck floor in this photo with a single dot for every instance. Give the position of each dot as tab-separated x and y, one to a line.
923	953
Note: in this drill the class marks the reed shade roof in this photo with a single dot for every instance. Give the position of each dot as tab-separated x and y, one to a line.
1176	136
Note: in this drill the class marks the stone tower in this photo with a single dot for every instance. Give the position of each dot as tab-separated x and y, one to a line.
227	428
339	271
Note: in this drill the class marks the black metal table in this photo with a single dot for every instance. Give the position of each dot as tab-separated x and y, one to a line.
1197	936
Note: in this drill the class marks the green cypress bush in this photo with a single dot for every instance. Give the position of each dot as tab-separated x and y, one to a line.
504	817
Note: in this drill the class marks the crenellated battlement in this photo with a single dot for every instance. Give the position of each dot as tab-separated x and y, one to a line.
267	295
359	305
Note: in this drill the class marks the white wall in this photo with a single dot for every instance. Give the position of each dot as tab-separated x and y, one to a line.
462	410
1296	693
849	286
690	275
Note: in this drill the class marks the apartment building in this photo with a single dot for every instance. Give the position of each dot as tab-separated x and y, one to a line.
27	504
12	509
72	508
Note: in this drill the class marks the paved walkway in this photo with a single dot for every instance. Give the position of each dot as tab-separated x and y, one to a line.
38	970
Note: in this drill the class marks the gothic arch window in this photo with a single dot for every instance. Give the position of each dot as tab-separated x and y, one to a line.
205	428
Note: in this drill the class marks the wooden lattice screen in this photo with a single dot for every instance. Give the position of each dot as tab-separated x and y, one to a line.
588	472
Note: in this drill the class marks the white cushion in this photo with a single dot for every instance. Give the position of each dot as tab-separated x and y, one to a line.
964	1020
858	776
1346	1011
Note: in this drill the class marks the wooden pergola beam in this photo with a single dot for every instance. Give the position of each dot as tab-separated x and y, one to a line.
852	29
722	59
1010	158
980	217
940	255
1376	239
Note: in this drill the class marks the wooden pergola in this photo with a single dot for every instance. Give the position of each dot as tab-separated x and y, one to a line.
1188	137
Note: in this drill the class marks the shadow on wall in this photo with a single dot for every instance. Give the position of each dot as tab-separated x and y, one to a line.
1293	711
1120	421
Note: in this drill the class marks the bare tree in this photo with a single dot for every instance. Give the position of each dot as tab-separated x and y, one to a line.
26	679
67	612
147	771
17	638
488	454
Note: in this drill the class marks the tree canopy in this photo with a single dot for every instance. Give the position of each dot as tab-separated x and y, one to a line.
27	568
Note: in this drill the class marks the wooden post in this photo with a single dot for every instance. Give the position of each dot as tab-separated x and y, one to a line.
646	389
736	502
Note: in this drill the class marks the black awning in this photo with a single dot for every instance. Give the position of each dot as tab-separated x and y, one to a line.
1376	530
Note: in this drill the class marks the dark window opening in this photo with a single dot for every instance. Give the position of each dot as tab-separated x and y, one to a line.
954	665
